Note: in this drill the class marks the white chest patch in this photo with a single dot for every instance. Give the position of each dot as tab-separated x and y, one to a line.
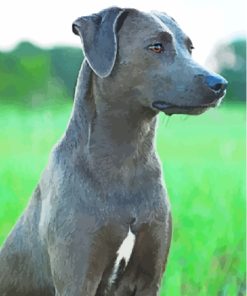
124	252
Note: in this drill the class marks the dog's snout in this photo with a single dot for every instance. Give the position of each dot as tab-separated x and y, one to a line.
216	83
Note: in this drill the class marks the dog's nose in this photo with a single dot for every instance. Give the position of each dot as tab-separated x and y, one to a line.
216	83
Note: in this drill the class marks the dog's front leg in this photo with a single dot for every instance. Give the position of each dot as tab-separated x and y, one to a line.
71	268
76	268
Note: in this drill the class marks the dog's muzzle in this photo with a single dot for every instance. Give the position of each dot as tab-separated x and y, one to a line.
214	85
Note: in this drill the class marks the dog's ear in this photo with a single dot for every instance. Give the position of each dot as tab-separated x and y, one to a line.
98	33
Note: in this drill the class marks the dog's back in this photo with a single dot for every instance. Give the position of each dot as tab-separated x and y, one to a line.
23	270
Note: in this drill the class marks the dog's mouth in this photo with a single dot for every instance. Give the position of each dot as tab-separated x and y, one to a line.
170	109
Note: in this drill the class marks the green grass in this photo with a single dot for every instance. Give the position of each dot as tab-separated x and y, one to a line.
204	164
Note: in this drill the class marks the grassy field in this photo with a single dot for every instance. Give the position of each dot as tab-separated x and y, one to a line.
204	164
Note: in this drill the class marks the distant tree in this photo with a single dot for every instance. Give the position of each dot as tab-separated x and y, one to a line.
230	61
25	75
65	65
31	75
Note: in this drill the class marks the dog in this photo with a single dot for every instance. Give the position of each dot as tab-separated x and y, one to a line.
99	221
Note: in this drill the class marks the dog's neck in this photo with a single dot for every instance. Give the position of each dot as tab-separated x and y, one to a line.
113	137
120	134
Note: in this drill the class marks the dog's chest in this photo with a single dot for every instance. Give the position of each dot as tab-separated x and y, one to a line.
129	231
142	206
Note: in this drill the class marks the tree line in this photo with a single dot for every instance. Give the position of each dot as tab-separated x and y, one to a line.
30	75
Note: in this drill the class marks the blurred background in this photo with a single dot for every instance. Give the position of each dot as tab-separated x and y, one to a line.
203	157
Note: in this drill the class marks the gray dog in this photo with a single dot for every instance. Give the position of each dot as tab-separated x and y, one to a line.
99	221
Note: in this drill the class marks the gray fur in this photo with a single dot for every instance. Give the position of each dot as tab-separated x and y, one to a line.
104	176
99	39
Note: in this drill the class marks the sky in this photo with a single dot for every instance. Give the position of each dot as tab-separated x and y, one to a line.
48	22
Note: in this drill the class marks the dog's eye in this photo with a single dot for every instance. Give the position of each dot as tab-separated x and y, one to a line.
191	48
157	47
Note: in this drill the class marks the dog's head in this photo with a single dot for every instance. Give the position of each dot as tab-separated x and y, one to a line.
147	58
